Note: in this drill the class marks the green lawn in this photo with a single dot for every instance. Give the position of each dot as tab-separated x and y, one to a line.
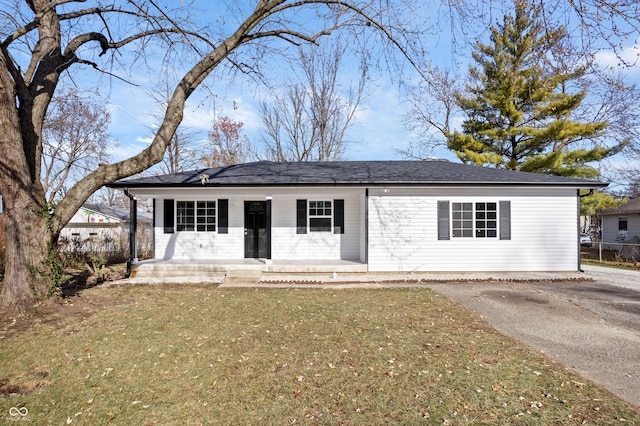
158	355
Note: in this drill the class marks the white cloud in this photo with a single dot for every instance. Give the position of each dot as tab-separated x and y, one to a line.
611	60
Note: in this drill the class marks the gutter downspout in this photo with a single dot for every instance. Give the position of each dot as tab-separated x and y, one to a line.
133	228
579	230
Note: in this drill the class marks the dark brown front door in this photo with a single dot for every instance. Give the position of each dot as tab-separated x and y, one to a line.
255	229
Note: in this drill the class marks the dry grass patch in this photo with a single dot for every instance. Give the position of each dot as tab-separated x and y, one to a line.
201	355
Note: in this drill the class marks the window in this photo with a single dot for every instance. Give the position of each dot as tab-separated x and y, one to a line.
185	212
623	229
206	216
196	216
462	223
320	216
316	216
622	224
486	220
475	220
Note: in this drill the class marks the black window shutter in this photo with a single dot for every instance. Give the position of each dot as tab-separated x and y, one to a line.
505	220
301	216
223	216
338	216
153	219
168	217
443	220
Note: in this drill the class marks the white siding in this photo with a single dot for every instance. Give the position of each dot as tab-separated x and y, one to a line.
285	242
403	232
400	233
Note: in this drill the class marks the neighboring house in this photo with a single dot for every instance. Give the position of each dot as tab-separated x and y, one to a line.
387	216
620	224
98	227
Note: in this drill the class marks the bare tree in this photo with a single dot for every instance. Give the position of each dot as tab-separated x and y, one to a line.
182	150
42	41
433	106
74	141
227	145
287	127
111	197
311	120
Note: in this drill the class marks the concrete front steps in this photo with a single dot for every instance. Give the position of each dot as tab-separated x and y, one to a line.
237	271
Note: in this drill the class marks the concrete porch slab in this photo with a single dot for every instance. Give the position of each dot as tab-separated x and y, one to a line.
245	270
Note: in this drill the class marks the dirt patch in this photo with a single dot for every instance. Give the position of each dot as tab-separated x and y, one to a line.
24	385
55	312
75	304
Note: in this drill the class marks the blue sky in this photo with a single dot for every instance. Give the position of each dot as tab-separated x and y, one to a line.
377	134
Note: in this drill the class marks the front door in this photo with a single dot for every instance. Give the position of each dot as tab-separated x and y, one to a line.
255	229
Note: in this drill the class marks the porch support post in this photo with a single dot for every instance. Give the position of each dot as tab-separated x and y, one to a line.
366	227
133	228
268	226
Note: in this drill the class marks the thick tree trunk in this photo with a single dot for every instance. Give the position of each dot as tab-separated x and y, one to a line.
26	277
27	270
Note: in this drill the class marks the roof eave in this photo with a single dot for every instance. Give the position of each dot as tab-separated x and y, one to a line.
576	185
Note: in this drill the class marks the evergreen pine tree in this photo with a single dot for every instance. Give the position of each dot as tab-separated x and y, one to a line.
519	111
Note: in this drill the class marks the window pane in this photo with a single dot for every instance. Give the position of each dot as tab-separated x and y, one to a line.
486	228
320	209
196	215
462	220
320	224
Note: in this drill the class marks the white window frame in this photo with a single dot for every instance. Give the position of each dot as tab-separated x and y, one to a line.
322	210
193	216
474	219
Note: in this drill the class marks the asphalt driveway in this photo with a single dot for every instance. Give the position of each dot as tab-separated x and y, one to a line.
590	327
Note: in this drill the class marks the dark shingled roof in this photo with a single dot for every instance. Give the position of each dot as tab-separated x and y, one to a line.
345	173
631	206
115	212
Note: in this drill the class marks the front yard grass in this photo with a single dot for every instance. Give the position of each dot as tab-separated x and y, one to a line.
159	355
